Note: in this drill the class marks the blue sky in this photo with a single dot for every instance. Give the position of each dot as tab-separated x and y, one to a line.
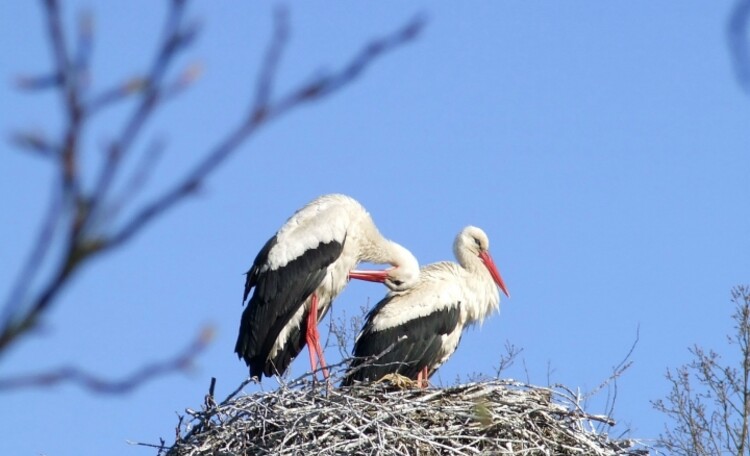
603	146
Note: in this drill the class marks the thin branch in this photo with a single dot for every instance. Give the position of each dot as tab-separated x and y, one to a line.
100	385
110	97
708	402
326	84
42	244
269	68
84	46
508	358
260	115
75	212
136	182
69	80
16	325
737	41
56	38
149	88
345	330
617	371
33	141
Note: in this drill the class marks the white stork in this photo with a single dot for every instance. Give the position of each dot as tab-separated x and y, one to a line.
299	272
417	330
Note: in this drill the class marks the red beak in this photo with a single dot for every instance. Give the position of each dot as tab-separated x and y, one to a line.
487	259
369	276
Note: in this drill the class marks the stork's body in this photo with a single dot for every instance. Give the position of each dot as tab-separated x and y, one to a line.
417	330
299	272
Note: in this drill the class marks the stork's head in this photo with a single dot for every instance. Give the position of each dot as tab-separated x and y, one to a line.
403	275
473	243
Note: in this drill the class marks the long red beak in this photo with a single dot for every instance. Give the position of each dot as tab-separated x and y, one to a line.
487	259
369	276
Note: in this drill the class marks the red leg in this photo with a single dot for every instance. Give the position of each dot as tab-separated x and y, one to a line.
422	377
319	350
313	338
316	335
312	326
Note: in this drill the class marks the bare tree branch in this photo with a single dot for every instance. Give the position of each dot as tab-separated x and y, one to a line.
737	40
261	114
264	89
75	215
345	329
176	38
42	244
508	358
611	382
70	374
709	403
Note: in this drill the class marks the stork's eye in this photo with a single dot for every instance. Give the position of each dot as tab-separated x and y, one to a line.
476	241
397	282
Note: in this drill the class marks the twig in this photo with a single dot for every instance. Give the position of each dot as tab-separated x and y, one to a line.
175	39
737	41
97	384
259	115
42	244
508	358
617	371
264	89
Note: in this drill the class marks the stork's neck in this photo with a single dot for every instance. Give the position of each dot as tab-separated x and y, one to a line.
401	257
480	291
384	251
374	248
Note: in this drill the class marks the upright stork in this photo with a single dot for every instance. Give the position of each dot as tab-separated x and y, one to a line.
298	273
417	330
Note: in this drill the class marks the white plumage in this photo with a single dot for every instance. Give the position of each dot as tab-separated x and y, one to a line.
304	266
418	329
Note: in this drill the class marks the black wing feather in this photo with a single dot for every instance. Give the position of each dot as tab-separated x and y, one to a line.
277	296
414	344
260	259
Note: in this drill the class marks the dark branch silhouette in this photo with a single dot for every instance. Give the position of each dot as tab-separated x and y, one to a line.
82	214
738	41
71	374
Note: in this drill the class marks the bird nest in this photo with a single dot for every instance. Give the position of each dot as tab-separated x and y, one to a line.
492	417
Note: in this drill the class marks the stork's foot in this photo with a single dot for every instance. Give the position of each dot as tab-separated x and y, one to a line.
399	381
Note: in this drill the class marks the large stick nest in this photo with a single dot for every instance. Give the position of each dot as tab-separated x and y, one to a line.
493	417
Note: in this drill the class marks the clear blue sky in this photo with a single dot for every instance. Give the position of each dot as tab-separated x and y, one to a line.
603	146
